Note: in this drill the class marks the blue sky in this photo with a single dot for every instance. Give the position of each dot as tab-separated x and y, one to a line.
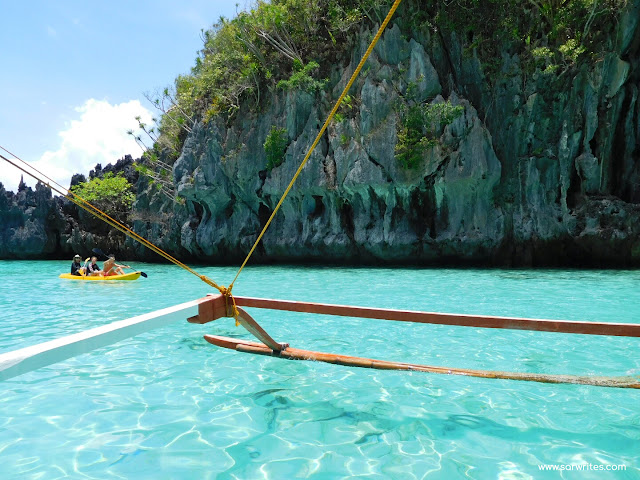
72	74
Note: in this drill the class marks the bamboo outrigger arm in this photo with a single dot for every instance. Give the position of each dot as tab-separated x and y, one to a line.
217	306
256	330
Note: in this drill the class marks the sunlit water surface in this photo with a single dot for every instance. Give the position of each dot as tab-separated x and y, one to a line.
167	405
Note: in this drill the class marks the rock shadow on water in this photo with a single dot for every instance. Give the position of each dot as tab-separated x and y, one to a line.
457	426
192	344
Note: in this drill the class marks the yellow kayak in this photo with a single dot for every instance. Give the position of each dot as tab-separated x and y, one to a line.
126	276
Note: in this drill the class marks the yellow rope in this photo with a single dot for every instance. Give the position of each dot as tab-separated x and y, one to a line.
319	136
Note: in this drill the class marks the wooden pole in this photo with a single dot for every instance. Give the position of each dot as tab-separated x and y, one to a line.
290	353
477	321
257	331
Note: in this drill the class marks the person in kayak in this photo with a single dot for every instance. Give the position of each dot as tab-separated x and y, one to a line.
76	266
110	267
93	269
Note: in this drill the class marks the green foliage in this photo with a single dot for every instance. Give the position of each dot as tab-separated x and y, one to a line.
571	50
543	32
277	43
347	107
345	16
549	61
301	78
275	146
112	193
542	53
420	124
342	17
412	89
543	58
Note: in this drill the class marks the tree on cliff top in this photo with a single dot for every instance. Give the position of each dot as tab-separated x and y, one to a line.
112	194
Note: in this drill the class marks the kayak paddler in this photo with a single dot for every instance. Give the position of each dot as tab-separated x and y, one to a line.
110	267
93	269
76	266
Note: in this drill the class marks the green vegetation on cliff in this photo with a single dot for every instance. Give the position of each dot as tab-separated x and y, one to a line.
302	78
420	125
292	44
558	32
275	146
281	43
112	194
285	44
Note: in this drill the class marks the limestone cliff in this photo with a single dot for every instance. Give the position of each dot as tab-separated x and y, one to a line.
539	169
34	224
24	217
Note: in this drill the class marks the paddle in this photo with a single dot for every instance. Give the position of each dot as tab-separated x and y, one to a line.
84	267
104	256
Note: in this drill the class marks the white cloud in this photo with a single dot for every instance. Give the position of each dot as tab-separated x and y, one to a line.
99	135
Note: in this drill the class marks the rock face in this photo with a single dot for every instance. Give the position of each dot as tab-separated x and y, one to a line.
24	217
538	170
36	225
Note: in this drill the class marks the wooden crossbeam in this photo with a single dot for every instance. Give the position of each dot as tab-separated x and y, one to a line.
217	309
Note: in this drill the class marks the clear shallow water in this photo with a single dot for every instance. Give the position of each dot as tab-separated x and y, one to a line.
167	404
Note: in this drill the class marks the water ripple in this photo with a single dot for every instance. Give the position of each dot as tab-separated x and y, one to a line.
166	404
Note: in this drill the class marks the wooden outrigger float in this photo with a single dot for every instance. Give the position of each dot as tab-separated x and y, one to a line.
219	306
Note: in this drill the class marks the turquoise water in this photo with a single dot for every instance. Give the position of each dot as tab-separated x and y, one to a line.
167	405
